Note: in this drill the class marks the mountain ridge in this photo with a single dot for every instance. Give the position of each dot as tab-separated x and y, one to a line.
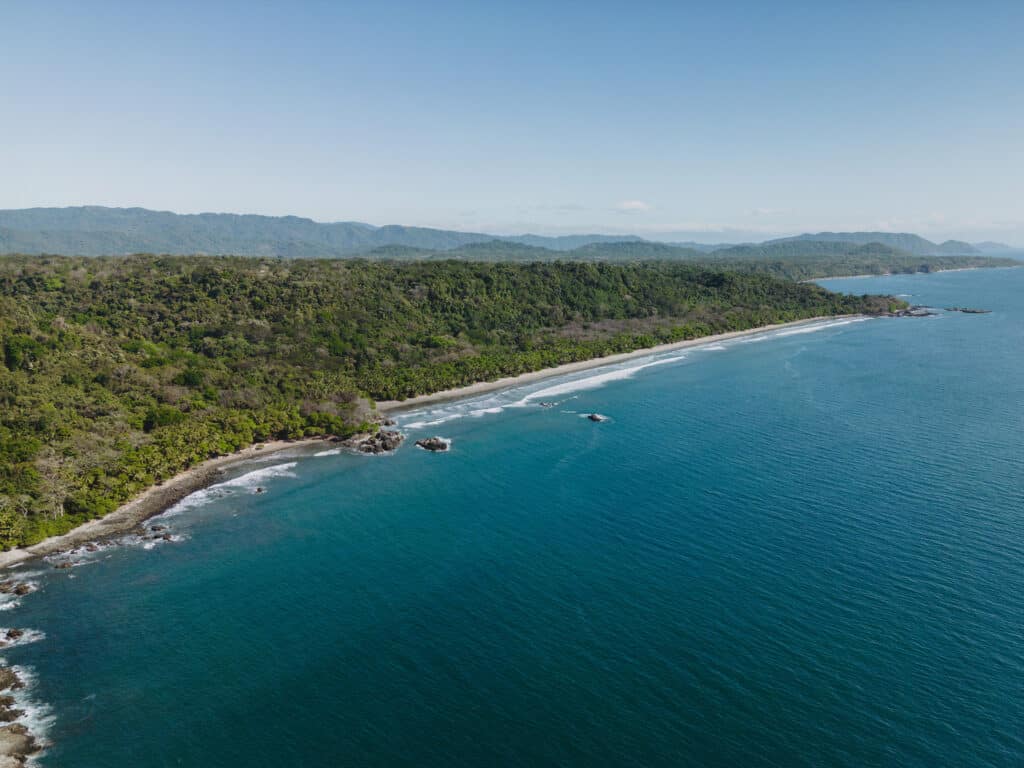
100	230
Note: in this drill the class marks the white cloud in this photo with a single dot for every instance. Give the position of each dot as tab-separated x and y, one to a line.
632	206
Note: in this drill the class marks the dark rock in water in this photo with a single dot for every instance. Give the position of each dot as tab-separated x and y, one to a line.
6	587
433	444
22	589
260	489
166	537
14	634
62	566
157	528
547	405
968	311
597	417
90	547
389	422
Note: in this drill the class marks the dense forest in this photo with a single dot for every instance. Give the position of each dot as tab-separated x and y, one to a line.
117	373
790	259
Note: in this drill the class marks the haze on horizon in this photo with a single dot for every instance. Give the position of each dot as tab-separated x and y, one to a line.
726	121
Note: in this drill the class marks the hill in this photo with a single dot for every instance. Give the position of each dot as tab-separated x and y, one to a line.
903	241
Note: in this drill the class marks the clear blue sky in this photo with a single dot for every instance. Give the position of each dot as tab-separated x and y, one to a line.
767	117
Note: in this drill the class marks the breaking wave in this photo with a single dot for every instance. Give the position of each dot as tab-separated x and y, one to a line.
247	482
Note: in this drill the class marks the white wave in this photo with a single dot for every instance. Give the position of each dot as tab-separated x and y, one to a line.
600	379
484	411
819	327
28	636
248	481
328	452
713	347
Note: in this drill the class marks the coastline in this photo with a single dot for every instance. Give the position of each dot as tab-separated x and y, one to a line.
507	382
159	498
150	502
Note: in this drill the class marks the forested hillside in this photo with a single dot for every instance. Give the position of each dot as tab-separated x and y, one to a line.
119	372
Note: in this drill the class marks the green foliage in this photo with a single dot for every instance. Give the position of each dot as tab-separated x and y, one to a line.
121	372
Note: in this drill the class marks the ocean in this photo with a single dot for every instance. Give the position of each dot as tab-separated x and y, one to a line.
804	548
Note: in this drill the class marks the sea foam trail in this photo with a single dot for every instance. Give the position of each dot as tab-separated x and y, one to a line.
556	388
248	481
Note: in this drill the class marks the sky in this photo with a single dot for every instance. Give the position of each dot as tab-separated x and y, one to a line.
718	120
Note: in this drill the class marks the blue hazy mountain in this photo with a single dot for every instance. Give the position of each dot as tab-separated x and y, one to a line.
97	230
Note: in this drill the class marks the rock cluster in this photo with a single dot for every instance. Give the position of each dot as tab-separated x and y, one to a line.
913	312
383	441
16	742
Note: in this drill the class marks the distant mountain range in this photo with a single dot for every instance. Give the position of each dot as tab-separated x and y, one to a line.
95	231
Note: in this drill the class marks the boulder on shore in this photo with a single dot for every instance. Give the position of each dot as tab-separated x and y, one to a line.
433	444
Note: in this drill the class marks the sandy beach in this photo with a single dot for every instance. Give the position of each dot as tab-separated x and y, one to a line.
390	406
150	502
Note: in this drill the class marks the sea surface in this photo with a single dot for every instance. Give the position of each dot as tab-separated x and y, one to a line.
805	548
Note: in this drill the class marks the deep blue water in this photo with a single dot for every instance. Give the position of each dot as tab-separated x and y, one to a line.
802	550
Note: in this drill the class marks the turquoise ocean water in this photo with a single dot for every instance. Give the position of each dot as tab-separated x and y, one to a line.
802	549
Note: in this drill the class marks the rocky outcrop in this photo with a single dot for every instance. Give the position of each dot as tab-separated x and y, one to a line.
434	444
382	441
969	311
17	743
913	312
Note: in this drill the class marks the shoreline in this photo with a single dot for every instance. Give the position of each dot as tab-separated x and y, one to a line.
159	498
508	382
150	502
907	274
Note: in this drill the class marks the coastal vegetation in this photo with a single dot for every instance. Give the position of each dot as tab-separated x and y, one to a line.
118	373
